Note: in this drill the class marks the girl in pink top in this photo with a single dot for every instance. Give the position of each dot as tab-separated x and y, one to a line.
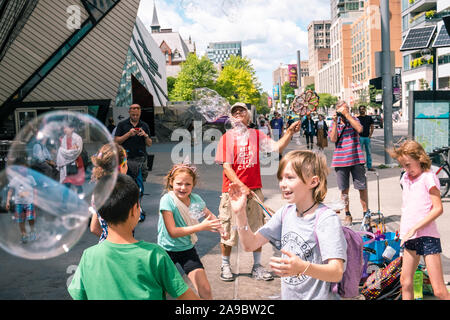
421	207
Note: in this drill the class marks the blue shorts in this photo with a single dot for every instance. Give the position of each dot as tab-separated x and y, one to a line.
424	245
24	211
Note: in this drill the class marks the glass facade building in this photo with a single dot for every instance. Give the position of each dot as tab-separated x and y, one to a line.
219	52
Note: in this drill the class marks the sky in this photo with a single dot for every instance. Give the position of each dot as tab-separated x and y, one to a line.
271	31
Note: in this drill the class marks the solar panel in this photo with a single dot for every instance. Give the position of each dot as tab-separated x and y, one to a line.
442	39
418	38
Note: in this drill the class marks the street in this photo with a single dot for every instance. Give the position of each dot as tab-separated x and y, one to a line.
47	279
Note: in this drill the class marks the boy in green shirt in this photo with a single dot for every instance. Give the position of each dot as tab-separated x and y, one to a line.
122	268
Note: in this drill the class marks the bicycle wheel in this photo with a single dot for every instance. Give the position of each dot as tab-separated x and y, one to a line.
444	180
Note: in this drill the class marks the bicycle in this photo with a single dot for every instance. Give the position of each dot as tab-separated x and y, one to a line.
443	171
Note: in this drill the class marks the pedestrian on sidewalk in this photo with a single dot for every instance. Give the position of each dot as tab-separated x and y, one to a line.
134	135
365	136
121	267
177	224
321	132
313	250
239	156
309	129
348	158
421	206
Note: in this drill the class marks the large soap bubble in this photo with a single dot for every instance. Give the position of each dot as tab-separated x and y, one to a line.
50	167
210	104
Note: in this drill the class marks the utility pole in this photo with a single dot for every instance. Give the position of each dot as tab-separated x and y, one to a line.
387	78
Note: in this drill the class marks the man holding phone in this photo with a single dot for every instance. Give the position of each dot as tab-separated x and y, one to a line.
134	135
348	157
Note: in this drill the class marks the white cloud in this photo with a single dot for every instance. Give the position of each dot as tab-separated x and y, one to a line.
271	31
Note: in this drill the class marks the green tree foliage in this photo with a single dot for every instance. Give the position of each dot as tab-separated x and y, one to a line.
170	84
195	73
237	82
285	90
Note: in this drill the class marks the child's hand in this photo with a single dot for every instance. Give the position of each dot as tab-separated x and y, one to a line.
210	223
286	267
407	236
238	198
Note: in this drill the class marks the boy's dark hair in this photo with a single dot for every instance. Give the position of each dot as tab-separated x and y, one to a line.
123	197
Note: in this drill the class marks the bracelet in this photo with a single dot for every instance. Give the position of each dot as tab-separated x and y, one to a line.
301	274
241	228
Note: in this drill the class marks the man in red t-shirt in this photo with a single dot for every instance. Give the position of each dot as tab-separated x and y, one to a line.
238	153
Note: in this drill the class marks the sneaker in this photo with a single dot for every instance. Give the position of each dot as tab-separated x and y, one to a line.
225	273
348	220
259	273
371	169
32	236
24	239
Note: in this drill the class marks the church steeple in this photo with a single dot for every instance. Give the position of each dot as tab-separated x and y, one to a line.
155	23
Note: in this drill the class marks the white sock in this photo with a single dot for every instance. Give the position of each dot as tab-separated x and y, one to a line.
225	260
256	257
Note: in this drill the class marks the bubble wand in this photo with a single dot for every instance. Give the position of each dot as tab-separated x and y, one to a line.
268	212
307	101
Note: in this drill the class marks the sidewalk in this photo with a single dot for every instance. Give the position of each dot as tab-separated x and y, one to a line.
245	288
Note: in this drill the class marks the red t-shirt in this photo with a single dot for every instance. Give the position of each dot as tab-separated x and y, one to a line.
243	154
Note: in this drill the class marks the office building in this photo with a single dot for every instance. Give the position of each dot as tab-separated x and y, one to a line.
219	52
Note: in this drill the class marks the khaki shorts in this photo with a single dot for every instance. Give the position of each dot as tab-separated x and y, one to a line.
255	217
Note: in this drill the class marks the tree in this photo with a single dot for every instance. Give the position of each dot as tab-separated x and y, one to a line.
195	73
170	85
310	87
326	100
236	85
285	90
237	82
263	106
373	93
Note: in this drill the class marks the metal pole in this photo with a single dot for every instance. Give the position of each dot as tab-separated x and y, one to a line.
299	69
433	53
387	79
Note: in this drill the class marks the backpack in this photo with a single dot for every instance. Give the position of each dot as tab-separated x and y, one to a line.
348	287
384	283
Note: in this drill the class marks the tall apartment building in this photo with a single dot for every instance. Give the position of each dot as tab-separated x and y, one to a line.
318	45
341	8
334	77
219	52
443	67
416	76
366	41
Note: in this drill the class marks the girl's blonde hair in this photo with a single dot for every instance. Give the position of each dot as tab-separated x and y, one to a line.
307	164
176	169
414	150
106	160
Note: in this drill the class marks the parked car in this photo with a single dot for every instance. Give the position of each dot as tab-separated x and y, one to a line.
377	121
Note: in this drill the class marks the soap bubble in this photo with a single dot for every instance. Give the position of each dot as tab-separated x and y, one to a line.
196	210
38	172
210	104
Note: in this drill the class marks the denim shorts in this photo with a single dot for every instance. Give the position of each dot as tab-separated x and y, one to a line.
358	175
424	245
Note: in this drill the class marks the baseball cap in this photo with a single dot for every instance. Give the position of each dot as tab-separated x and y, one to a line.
238	104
